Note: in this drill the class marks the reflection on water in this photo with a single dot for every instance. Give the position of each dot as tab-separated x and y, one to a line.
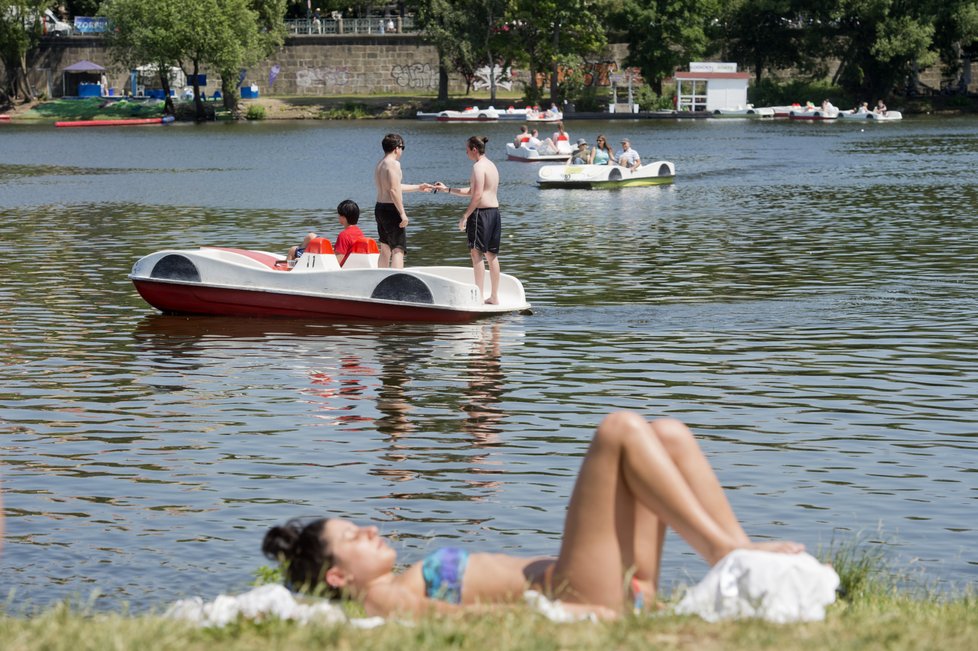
802	296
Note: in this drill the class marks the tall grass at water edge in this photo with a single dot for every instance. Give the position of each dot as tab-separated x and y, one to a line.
873	612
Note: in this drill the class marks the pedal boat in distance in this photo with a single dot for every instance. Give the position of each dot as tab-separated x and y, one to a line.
524	154
596	177
225	281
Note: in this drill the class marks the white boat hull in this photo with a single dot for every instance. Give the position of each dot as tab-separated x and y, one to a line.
526	155
473	114
595	177
744	112
889	116
238	282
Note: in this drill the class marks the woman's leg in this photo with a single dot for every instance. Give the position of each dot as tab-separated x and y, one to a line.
636	478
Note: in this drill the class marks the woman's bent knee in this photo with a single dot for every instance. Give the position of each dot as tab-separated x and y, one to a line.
618	426
672	432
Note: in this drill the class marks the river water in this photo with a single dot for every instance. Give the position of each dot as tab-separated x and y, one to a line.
804	297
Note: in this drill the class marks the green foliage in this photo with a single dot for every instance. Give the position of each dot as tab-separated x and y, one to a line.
649	100
20	33
255	112
550	35
664	35
775	93
225	34
349	111
266	574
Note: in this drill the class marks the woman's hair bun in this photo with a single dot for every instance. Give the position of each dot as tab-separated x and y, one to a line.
485	139
279	542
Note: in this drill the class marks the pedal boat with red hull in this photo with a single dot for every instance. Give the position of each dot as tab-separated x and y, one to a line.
240	282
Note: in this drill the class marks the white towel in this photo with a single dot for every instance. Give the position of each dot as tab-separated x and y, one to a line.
266	601
779	588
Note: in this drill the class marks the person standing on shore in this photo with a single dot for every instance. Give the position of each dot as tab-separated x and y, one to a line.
392	219
481	220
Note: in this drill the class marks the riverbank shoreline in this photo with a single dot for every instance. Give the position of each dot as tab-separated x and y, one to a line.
384	107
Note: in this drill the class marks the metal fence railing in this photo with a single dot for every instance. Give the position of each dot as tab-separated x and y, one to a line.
376	26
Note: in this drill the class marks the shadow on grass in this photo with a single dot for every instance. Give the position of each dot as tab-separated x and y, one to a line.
91	108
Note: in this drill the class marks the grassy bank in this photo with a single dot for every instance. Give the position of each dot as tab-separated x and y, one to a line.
89	108
891	621
873	613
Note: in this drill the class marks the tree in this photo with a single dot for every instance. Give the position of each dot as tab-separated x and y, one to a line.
225	34
142	34
881	43
445	26
664	35
765	35
20	33
955	33
549	34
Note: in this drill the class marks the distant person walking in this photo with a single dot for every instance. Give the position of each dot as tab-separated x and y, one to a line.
481	220
392	219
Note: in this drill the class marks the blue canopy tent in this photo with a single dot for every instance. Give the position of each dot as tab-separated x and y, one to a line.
83	79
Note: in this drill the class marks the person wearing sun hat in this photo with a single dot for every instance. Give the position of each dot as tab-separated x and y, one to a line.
580	154
629	157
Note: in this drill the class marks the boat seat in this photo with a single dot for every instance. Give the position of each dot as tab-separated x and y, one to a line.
362	255
319	256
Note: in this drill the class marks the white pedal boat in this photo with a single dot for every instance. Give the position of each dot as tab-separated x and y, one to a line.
527	155
239	282
469	114
870	115
744	112
544	116
605	176
816	114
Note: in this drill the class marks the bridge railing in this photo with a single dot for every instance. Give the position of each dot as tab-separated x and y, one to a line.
326	26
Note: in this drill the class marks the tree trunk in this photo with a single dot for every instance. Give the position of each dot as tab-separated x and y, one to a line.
229	90
556	65
198	104
164	72
442	78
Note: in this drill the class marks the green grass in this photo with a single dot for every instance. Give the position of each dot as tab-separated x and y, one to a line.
873	614
889	621
93	108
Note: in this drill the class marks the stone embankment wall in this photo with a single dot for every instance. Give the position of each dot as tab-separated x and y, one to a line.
307	65
315	66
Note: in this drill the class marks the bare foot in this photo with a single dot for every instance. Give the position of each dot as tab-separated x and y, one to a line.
778	546
492	301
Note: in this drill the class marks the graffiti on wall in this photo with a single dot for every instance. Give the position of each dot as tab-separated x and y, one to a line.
503	78
415	75
327	77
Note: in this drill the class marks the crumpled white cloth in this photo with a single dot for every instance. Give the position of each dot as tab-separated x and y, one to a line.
779	588
273	600
553	610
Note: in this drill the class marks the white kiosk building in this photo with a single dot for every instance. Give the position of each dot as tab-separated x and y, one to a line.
711	85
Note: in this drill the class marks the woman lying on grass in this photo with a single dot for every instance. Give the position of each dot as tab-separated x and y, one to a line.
637	478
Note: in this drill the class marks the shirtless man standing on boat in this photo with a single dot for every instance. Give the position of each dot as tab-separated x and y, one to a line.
481	220
392	219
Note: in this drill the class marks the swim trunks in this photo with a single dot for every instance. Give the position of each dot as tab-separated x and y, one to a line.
443	570
484	229
389	229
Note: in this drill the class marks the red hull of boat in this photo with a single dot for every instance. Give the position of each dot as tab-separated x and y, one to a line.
109	123
221	301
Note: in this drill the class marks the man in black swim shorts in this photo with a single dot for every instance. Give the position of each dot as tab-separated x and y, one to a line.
392	219
481	220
